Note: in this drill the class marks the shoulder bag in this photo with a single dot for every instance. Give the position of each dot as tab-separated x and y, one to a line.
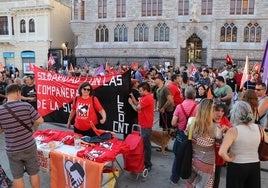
263	147
19	120
187	154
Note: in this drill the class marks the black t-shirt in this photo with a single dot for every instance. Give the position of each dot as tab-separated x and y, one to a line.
29	91
249	85
231	82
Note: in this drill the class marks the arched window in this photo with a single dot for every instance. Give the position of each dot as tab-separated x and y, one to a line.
252	33
102	34
31	26
22	26
161	32
141	33
228	33
120	33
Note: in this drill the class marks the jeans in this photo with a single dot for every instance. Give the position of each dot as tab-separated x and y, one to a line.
176	167
146	134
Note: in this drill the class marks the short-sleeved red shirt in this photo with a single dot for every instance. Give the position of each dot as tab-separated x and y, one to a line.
85	112
146	114
176	93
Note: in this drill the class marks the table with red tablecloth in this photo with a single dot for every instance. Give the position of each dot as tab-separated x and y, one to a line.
82	167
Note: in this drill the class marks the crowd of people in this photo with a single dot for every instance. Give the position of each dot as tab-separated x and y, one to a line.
223	111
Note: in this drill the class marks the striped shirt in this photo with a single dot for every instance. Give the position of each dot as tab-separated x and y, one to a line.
17	137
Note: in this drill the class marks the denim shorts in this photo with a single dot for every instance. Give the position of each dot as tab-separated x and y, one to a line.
24	161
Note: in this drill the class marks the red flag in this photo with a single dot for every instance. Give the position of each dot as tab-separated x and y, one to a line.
256	67
135	65
229	60
31	66
193	70
71	69
107	67
51	61
86	67
112	70
245	74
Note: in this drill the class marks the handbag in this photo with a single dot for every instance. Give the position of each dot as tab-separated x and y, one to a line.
187	154
263	147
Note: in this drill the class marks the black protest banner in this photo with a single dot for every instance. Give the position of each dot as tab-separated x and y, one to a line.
56	92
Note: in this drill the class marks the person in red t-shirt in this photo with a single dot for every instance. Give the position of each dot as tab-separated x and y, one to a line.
238	77
145	108
85	108
175	90
223	124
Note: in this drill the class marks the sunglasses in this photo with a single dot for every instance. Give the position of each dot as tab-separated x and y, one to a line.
86	89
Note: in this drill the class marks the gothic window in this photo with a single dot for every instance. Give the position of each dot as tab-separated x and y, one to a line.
161	32
22	26
120	8
120	33
141	33
102	34
207	6
102	8
3	25
242	6
183	7
31	26
151	7
252	33
228	33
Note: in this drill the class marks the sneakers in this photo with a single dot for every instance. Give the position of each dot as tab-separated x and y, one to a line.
173	183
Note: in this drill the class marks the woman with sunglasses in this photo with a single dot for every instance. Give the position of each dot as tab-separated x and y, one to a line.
85	108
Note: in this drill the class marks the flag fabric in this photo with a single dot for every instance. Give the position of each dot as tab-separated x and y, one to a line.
112	70
229	60
257	67
71	69
193	70
51	61
209	94
264	64
86	66
245	73
99	71
147	65
135	65
107	67
31	67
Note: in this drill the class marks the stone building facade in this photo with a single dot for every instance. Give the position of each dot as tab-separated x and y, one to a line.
30	29
196	31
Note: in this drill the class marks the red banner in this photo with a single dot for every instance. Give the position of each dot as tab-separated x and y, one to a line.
55	94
